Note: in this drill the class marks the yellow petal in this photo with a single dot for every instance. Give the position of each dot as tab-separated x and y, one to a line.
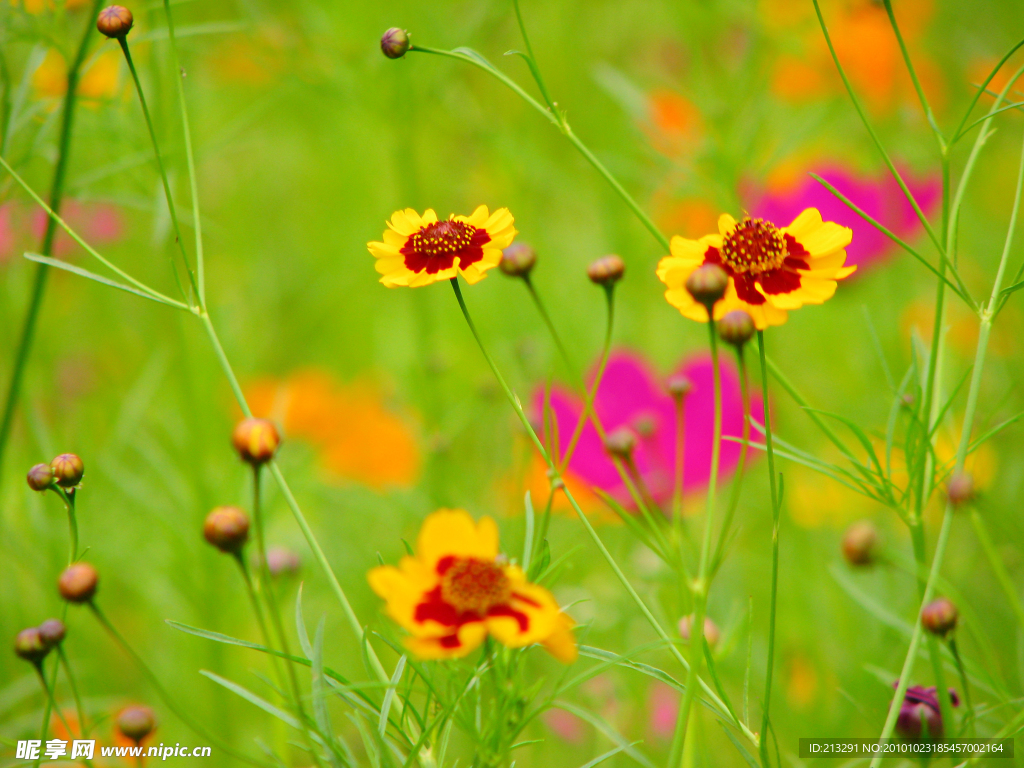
470	637
453	532
726	224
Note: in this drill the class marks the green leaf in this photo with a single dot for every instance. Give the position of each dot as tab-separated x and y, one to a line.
320	712
300	625
608	754
528	535
389	696
601	725
252	698
58	264
739	746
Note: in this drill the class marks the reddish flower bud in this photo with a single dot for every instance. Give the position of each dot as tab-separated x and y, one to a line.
960	489
40	477
679	386
607	270
115	21
68	470
282	561
52	631
78	582
711	632
256	440
707	285
136	723
395	43
30	646
517	260
860	542
620	443
940	616
227	528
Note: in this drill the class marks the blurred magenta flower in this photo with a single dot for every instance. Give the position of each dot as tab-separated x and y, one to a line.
632	395
921	707
567	727
662	710
877	194
96	223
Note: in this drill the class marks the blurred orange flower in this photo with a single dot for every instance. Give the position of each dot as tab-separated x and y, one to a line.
38	6
673	123
101	77
357	436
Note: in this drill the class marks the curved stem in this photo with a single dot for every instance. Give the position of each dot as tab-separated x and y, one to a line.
166	697
35	302
913	76
551	328
741	465
776	504
79	710
53	699
123	40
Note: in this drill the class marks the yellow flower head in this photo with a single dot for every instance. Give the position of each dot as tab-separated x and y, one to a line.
457	590
771	269
420	250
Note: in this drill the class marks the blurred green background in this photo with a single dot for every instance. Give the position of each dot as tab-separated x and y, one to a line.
307	139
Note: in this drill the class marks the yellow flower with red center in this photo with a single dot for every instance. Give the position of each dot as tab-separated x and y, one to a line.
457	590
771	269
420	250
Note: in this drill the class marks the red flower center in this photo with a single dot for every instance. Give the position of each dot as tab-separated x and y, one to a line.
475	586
434	247
754	246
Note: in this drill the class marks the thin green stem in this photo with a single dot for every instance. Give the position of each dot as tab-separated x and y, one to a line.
35	302
275	613
551	327
189	157
123	40
701	586
53	699
588	404
977	95
679	470
655	624
913	77
79	710
998	567
741	465
776	504
969	716
166	697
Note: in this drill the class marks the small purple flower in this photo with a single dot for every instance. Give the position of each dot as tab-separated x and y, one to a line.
921	709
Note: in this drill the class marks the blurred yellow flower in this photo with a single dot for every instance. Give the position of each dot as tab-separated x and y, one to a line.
458	589
420	250
38	6
100	77
355	434
771	269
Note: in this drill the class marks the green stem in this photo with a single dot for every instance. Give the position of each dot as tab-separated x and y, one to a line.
79	710
655	624
741	465
52	699
588	404
913	76
997	566
166	697
680	465
56	197
969	715
189	157
275	613
701	586
123	40
551	328
776	504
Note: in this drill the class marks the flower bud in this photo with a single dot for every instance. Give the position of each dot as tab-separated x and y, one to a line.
920	710
960	489
620	443
736	328
52	631
707	285
679	386
227	528
68	470
256	440
517	260
607	270
711	632
645	425
395	43
30	646
136	723
40	477
115	21
77	584
860	542
940	616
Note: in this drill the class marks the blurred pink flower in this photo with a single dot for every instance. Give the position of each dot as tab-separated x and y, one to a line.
566	726
6	233
631	395
96	223
662	710
876	194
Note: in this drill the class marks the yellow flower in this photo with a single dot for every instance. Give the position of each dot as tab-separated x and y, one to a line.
771	270
100	77
457	590
420	250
